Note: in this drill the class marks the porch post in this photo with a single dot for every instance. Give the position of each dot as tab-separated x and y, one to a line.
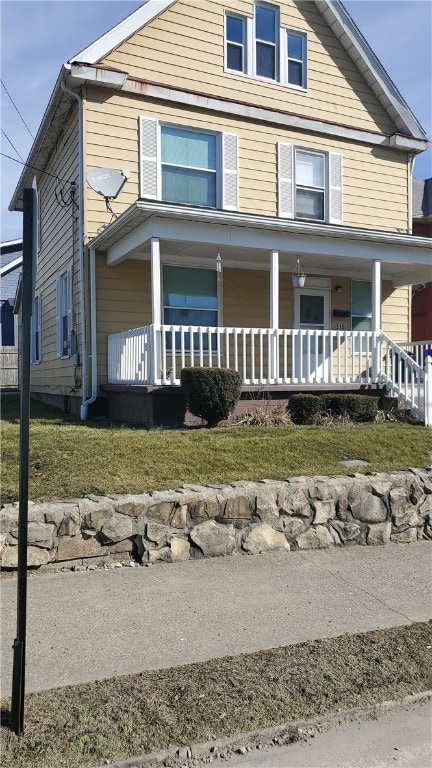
376	317
155	352
274	311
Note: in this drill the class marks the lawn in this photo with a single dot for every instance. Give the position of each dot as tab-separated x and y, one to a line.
70	458
96	723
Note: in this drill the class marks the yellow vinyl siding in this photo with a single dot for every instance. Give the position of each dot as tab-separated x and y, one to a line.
374	179
58	253
123	301
184	47
396	311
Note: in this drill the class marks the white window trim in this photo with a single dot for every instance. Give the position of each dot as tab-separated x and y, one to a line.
36	328
276	44
302	34
325	188
245	46
69	311
219	162
281	44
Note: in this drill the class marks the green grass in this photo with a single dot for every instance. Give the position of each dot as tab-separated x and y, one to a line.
70	458
95	723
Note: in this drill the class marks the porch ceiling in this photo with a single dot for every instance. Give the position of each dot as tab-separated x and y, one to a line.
194	236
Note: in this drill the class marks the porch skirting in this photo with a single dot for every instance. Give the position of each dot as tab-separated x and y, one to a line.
166	406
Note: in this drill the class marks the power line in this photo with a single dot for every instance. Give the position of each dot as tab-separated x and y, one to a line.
1	81
14	148
33	167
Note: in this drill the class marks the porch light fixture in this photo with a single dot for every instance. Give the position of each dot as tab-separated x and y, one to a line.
218	263
338	288
298	276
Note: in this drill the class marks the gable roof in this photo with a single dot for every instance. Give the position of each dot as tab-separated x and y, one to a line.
338	19
409	134
422	198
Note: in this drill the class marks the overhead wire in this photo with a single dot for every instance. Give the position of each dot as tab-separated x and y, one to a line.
13	147
1	81
33	168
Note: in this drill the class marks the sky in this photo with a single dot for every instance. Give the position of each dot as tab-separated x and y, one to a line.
37	36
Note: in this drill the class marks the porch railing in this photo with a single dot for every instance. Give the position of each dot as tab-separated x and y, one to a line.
155	355
417	349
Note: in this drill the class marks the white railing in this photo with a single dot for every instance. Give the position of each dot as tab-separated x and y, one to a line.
405	379
417	349
155	355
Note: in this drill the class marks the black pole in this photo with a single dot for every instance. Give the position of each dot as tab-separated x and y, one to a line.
18	673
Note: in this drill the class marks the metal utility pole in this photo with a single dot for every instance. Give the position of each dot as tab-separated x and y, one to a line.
28	275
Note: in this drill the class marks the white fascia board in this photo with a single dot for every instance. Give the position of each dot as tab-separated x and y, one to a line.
80	74
38	142
220	227
121	32
342	24
11	266
119	80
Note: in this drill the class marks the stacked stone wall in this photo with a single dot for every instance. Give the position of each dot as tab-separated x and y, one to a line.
211	521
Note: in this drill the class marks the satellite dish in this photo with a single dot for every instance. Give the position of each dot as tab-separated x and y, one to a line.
106	181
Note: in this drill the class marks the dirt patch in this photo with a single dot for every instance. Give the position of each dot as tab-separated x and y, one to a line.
95	723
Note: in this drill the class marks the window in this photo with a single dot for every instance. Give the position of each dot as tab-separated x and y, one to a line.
310	174
235	35
310	184
266	35
179	164
64	313
361	305
189	167
190	298
297	59
36	347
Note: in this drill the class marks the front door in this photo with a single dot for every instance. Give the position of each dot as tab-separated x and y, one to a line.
312	351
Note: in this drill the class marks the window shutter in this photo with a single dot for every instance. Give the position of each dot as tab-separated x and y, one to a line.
148	130
69	304
335	188
230	171
59	328
285	180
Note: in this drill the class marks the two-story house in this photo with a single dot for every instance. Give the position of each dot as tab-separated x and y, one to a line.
264	222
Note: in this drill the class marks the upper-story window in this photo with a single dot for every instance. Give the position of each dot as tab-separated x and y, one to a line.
296	59
310	175
189	166
310	184
266	41
260	47
235	32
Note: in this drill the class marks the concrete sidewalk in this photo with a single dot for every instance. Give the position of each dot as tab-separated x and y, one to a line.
91	625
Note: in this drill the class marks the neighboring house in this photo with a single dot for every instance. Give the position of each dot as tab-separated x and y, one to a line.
10	271
256	134
422	294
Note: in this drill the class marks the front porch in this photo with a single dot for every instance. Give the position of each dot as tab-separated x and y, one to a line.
192	286
283	360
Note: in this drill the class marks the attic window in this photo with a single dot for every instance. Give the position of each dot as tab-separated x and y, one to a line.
235	30
266	37
296	59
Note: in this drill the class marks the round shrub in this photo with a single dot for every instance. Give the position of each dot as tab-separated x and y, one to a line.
305	409
211	393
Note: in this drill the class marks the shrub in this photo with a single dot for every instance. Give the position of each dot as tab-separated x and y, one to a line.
357	407
211	393
266	416
305	409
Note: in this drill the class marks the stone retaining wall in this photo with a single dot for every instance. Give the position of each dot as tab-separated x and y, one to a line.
211	521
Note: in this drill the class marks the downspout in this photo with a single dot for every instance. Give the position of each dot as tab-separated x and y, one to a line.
78	99
93	345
